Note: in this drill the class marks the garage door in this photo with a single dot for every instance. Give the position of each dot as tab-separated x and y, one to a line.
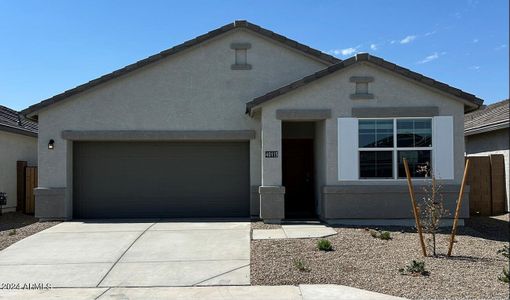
148	180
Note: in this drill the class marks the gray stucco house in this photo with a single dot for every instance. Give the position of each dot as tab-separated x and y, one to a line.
18	141
242	122
487	132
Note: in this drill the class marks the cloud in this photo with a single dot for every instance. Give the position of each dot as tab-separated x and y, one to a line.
346	51
503	46
475	41
429	58
393	42
408	39
373	47
430	33
476	68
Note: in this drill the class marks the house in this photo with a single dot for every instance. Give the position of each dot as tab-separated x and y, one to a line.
242	122
487	132
18	141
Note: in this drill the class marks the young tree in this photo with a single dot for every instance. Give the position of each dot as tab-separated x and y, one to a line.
432	208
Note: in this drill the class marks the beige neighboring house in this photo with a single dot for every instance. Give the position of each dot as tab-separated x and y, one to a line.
18	141
244	122
487	132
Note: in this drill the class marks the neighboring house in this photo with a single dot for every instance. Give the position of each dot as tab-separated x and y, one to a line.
487	132
18	141
244	122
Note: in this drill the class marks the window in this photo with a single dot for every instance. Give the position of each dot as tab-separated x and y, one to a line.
384	143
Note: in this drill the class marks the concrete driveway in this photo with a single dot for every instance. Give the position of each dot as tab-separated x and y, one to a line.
131	254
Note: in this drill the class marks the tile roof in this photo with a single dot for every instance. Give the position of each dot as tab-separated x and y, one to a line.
488	118
372	59
186	45
13	121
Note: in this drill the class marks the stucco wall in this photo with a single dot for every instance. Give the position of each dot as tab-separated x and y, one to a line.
492	142
14	147
193	90
333	92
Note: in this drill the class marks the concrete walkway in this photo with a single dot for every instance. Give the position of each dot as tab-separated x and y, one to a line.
294	231
302	292
131	254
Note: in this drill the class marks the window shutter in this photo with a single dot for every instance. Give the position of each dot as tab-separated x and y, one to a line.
442	141
348	162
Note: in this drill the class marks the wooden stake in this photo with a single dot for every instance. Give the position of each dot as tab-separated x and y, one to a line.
457	209
415	208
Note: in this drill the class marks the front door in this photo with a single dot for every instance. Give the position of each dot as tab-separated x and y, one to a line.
297	171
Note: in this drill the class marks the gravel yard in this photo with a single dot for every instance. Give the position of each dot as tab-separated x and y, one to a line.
262	225
361	261
17	226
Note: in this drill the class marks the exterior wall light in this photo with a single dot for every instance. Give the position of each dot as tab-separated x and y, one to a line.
51	144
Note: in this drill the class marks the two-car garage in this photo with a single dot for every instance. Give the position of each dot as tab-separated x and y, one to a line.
161	179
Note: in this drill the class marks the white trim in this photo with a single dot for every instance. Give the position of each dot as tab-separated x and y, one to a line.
442	133
348	154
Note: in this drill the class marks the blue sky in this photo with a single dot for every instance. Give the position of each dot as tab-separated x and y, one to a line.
49	46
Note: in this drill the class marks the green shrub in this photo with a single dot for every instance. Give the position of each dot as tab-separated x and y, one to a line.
505	277
324	245
415	268
301	266
12	232
383	235
505	251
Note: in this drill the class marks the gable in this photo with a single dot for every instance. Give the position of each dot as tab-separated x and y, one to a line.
193	89
471	101
283	41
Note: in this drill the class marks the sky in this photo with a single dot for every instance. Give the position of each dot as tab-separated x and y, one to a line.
47	47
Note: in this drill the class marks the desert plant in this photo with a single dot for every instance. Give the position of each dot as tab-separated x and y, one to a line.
415	268
324	245
505	277
12	232
301	266
383	235
432	209
504	251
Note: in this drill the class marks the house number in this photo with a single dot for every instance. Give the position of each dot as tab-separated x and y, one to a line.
271	154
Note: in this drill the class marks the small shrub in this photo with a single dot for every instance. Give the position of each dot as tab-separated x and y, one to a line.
301	266
505	251
505	277
415	268
324	245
383	235
12	232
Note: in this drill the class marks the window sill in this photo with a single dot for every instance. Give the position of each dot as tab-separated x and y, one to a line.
362	96
240	67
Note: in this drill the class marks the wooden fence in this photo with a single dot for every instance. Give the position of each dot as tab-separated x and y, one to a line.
486	178
26	183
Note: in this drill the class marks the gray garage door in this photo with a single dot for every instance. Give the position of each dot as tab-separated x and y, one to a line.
147	180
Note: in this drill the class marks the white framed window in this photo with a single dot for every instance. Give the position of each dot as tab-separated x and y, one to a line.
384	142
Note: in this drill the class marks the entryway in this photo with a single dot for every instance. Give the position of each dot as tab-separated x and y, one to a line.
298	169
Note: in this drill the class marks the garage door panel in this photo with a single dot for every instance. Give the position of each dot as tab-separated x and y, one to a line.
161	180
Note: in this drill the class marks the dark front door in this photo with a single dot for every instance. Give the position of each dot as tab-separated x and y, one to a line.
297	171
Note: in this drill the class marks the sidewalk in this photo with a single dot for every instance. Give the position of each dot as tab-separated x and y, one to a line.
301	292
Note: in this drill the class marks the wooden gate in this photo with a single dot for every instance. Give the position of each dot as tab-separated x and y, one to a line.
26	183
486	179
